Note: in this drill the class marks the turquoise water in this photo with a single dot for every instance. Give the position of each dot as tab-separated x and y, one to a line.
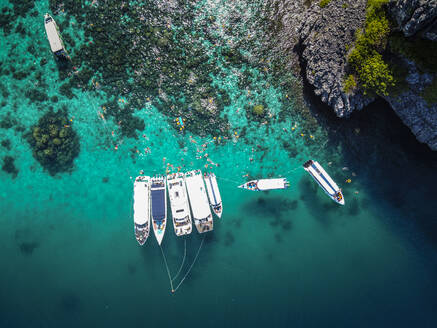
282	258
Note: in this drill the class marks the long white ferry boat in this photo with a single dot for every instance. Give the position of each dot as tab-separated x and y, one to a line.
324	181
142	208
215	199
266	184
56	44
159	207
199	201
180	208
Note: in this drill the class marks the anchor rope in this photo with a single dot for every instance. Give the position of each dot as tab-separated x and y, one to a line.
183	261
166	266
191	266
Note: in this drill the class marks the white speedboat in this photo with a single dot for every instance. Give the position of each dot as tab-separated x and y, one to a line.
158	197
215	199
324	181
266	184
142	208
180	208
199	201
56	44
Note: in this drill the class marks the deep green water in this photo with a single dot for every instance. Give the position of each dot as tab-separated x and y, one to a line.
285	258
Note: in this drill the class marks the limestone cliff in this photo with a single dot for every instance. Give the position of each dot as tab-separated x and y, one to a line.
324	37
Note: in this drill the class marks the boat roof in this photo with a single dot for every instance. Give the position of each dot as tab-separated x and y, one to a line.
141	202
198	199
213	190
53	36
158	204
266	184
323	178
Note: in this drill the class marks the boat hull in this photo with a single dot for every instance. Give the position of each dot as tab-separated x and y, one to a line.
158	192
214	196
179	204
265	184
199	201
141	208
325	182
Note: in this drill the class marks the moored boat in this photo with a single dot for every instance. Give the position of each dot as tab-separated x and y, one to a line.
141	208
180	208
215	199
199	201
56	44
159	207
324	180
265	184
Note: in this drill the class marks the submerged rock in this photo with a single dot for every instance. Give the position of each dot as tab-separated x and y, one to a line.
54	142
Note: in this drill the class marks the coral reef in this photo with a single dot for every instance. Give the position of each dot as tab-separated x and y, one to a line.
54	142
9	166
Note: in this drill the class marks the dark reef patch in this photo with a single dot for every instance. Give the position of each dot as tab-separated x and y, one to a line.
27	248
8	121
35	95
170	62
9	166
54	142
6	144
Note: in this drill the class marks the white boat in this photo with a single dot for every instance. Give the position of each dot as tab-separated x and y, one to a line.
324	181
215	199
52	31
180	208
142	208
266	184
158	196
199	201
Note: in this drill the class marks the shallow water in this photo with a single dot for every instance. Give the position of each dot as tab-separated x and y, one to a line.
282	258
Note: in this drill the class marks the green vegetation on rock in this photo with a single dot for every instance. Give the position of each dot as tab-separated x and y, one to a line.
366	60
324	3
350	84
54	142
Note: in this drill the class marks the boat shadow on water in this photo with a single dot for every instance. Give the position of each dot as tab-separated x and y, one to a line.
324	210
272	208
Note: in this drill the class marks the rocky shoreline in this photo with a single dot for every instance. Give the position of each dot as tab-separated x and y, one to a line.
323	37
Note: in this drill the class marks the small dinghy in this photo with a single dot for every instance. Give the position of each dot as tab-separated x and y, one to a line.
56	44
324	181
159	207
142	208
213	193
199	201
266	184
180	208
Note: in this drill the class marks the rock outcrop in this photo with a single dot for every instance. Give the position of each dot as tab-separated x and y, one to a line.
325	35
416	17
324	38
413	110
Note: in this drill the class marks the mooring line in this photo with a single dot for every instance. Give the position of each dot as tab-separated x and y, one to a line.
191	266
183	260
168	270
